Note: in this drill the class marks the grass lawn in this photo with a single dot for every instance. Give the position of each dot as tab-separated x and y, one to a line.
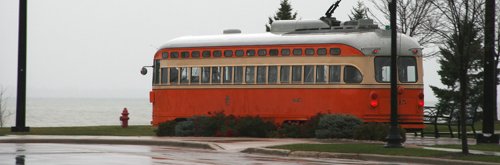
379	149
90	130
480	147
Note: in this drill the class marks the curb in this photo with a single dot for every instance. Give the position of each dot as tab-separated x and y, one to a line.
116	141
370	157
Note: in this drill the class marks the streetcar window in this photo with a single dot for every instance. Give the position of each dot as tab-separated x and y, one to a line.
285	52
251	52
321	73
228	53
174	75
184	75
156	72
407	69
185	54
334	51
383	69
309	51
164	55
174	55
195	75
352	75
285	74
195	54
272	75
273	52
217	53
297	52
262	52
228	74
240	53
164	75
216	71
238	74
206	54
334	74
296	74
205	75
309	73
261	74
250	74
322	51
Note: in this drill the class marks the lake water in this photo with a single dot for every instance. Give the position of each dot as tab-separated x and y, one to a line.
49	112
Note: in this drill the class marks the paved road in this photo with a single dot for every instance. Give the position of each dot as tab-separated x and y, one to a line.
75	154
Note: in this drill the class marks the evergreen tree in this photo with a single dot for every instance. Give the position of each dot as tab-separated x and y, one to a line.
358	12
461	69
283	13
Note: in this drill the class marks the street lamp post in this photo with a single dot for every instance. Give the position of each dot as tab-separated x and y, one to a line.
394	137
21	70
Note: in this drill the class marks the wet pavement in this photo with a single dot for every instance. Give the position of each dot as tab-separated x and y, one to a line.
75	154
35	149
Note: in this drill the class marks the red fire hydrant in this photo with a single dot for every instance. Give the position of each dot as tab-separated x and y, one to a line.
124	118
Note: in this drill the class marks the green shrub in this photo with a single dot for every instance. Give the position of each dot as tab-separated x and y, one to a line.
217	124
375	131
254	126
337	126
203	126
184	128
304	129
166	128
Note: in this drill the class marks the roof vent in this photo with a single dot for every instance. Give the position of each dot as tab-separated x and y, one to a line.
231	31
285	26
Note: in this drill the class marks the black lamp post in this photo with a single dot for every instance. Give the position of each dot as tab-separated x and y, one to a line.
394	137
21	71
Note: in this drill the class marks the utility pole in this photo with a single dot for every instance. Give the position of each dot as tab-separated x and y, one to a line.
394	137
21	70
490	84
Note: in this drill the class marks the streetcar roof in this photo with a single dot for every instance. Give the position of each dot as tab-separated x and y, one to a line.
362	40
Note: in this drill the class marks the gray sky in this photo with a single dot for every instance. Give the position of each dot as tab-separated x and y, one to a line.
95	48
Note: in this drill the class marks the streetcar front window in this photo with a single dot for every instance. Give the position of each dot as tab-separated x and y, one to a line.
156	72
383	69
407	69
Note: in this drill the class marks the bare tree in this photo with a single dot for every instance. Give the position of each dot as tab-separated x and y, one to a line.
415	18
4	113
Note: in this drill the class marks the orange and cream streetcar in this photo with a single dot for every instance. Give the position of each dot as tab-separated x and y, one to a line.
299	69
